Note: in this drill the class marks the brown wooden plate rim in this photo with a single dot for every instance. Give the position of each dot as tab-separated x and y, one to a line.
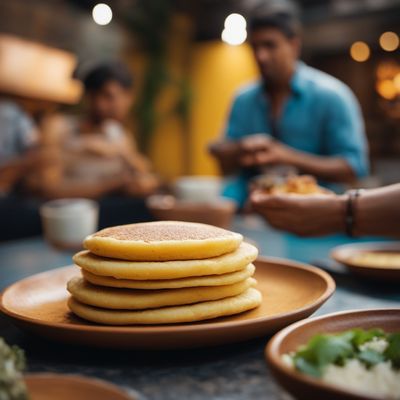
358	248
330	288
92	381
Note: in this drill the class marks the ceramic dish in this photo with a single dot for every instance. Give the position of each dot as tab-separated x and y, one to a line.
66	387
344	254
291	291
303	387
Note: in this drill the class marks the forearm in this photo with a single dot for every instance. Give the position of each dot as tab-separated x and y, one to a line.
136	162
13	171
377	212
334	169
79	189
227	154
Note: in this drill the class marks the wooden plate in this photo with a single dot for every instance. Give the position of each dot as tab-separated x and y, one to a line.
342	254
291	292
67	387
299	333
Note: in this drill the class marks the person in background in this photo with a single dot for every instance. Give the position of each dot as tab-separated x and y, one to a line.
358	213
18	141
95	155
294	115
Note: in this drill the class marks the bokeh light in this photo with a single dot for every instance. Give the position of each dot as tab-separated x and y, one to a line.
235	22
387	69
389	41
234	38
396	82
234	32
102	14
386	89
359	51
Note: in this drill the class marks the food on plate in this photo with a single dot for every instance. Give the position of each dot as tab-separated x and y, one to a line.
378	259
12	365
195	281
363	361
296	184
149	270
245	301
131	299
163	241
120	287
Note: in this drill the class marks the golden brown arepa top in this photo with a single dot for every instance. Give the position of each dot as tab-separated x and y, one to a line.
164	231
163	241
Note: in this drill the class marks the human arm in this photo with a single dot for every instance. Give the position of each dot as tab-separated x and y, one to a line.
261	150
376	212
48	180
344	134
115	141
227	154
71	189
342	154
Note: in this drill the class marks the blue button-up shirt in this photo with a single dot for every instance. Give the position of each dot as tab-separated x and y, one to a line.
321	116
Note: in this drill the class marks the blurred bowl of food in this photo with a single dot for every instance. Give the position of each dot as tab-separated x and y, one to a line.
198	189
218	212
291	184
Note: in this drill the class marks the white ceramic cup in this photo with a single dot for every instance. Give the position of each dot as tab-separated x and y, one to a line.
66	222
199	189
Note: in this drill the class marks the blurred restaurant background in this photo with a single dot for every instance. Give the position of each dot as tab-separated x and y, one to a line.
188	60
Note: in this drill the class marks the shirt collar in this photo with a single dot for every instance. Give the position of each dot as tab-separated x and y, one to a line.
297	83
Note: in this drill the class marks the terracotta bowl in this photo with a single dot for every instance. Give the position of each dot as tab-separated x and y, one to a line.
289	339
48	386
166	207
342	254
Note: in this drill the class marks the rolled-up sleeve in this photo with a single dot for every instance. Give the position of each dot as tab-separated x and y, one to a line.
345	132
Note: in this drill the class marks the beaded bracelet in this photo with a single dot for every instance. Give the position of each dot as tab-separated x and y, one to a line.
352	196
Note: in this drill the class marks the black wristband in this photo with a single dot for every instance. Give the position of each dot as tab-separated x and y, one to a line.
350	210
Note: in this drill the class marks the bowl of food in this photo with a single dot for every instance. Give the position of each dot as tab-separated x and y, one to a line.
352	355
291	184
380	260
217	212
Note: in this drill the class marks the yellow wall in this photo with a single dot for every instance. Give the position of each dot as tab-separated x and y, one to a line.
168	145
216	71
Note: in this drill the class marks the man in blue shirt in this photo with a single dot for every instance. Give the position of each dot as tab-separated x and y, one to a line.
294	115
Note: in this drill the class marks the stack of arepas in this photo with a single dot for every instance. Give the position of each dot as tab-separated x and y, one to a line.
163	272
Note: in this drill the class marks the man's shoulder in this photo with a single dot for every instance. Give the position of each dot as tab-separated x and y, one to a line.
325	86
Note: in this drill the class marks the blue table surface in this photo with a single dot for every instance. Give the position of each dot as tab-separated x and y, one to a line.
227	372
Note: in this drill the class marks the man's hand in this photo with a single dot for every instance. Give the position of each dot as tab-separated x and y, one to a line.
302	215
140	185
258	150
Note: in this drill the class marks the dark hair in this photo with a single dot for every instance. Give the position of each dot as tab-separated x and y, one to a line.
97	77
282	15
